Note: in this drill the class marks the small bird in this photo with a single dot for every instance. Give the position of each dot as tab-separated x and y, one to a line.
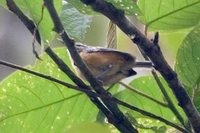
108	65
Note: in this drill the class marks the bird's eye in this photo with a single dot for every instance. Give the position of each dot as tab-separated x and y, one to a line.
110	66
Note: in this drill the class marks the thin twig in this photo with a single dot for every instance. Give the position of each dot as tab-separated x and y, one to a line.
34	33
168	99
144	95
11	65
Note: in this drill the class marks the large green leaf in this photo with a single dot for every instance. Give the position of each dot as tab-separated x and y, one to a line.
188	64
169	14
75	23
32	104
149	86
33	9
129	6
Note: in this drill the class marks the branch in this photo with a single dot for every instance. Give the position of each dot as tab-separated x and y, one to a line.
154	53
14	66
143	112
168	99
119	120
160	85
144	95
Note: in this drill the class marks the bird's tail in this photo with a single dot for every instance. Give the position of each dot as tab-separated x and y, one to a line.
143	64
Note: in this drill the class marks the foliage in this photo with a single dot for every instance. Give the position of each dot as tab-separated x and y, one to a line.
31	104
129	6
75	23
169	15
188	64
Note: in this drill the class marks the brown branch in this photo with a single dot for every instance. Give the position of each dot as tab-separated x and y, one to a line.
154	53
118	119
11	65
47	77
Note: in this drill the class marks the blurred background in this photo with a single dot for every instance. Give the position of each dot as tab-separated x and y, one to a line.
16	41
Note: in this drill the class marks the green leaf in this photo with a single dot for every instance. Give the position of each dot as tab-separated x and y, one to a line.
3	3
90	128
81	7
170	14
188	64
33	9
32	104
75	23
171	42
129	6
148	86
147	124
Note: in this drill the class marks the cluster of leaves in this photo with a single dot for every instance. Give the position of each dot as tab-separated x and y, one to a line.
31	104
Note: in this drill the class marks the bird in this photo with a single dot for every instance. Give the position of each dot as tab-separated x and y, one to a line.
108	65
